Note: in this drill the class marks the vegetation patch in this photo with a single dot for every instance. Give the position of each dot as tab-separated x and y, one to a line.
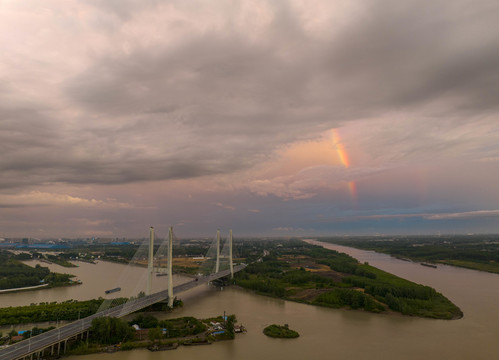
478	252
308	294
14	274
337	280
59	260
72	310
108	334
278	331
173	328
36	313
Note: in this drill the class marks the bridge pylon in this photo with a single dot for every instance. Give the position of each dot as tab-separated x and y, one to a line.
170	267
150	267
217	266
231	264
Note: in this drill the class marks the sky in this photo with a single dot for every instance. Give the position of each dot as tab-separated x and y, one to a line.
271	118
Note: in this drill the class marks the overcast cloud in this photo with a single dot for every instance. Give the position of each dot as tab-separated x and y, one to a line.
100	94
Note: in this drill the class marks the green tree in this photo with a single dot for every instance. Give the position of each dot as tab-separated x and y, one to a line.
155	334
229	325
110	330
145	321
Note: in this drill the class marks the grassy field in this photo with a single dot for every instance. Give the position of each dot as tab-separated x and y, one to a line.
491	267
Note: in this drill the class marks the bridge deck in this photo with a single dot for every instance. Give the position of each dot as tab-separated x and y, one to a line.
52	337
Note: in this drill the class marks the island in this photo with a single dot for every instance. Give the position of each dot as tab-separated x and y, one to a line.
17	276
297	271
278	331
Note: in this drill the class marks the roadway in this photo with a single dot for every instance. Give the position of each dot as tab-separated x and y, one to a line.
52	337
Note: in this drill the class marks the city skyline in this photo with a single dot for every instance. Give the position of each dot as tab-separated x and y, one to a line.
299	118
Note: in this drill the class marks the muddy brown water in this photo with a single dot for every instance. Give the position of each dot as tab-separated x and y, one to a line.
324	333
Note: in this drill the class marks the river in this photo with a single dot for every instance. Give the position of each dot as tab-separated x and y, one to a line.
324	333
96	279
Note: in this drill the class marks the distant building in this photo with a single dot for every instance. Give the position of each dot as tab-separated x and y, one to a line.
103	240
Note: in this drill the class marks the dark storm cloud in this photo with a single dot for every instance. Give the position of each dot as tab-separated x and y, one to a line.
395	54
408	53
217	101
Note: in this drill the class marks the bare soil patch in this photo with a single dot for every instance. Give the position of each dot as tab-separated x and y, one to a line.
308	294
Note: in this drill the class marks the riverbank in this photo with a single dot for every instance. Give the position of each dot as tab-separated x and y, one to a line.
23	288
16	276
476	252
490	267
87	349
147	332
41	287
49	312
69	310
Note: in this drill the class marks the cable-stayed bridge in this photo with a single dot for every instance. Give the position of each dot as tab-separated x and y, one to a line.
55	341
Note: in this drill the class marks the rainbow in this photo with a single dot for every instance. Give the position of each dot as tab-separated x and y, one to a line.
345	161
340	149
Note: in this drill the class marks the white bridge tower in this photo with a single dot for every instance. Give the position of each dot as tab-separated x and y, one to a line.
150	261
170	267
169	271
231	264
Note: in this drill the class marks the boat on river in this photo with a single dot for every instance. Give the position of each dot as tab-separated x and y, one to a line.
429	265
110	291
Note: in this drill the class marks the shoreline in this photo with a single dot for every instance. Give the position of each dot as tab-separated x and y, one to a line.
411	299
23	288
463	264
387	312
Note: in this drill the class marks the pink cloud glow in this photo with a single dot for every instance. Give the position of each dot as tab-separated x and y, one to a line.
253	115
